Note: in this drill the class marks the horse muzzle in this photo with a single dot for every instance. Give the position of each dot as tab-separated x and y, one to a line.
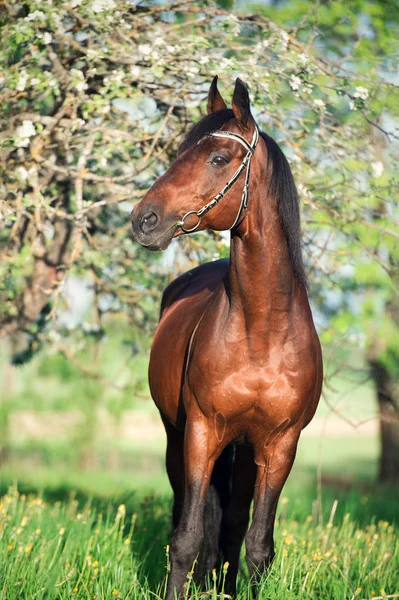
150	231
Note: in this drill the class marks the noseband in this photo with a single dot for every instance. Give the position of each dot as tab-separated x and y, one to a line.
245	193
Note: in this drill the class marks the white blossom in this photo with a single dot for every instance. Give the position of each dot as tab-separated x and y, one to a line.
352	105
361	92
225	63
235	24
304	191
99	6
116	77
378	168
23	173
47	37
22	81
295	82
192	71
92	53
284	37
75	3
144	49
24	132
79	83
135	71
36	15
319	103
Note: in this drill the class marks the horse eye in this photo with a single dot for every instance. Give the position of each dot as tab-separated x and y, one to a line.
219	161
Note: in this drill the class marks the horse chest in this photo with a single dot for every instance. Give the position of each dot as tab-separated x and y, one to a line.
236	385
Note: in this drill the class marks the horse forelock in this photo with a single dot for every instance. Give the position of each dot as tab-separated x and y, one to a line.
207	125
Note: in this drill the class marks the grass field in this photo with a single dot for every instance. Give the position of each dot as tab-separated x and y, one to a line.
87	550
102	532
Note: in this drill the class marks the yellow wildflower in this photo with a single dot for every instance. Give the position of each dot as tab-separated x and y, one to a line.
317	555
288	540
62	531
9	547
115	592
75	590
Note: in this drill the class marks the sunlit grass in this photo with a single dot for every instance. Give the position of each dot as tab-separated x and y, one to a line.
67	550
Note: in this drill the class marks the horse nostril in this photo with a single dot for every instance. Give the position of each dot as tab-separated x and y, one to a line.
148	222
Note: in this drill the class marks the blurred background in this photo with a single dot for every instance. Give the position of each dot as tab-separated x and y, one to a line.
95	99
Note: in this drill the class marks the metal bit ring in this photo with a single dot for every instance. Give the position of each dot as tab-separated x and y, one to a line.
190	229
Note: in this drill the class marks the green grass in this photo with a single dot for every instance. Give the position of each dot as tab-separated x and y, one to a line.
59	550
315	559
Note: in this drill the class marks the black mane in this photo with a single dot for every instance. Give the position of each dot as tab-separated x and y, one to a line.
281	185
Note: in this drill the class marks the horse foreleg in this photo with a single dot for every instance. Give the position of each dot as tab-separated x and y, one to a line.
175	467
236	516
199	458
274	465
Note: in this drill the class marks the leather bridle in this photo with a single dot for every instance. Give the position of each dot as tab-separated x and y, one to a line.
250	147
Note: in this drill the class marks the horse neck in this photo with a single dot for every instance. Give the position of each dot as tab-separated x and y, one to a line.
261	279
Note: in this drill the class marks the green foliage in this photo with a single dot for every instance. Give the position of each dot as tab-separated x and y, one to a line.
95	99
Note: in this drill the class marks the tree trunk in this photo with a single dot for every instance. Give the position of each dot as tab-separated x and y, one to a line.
388	404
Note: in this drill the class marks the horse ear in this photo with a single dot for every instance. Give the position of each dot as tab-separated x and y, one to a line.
241	106
215	100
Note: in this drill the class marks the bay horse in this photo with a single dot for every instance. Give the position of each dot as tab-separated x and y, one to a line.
235	367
